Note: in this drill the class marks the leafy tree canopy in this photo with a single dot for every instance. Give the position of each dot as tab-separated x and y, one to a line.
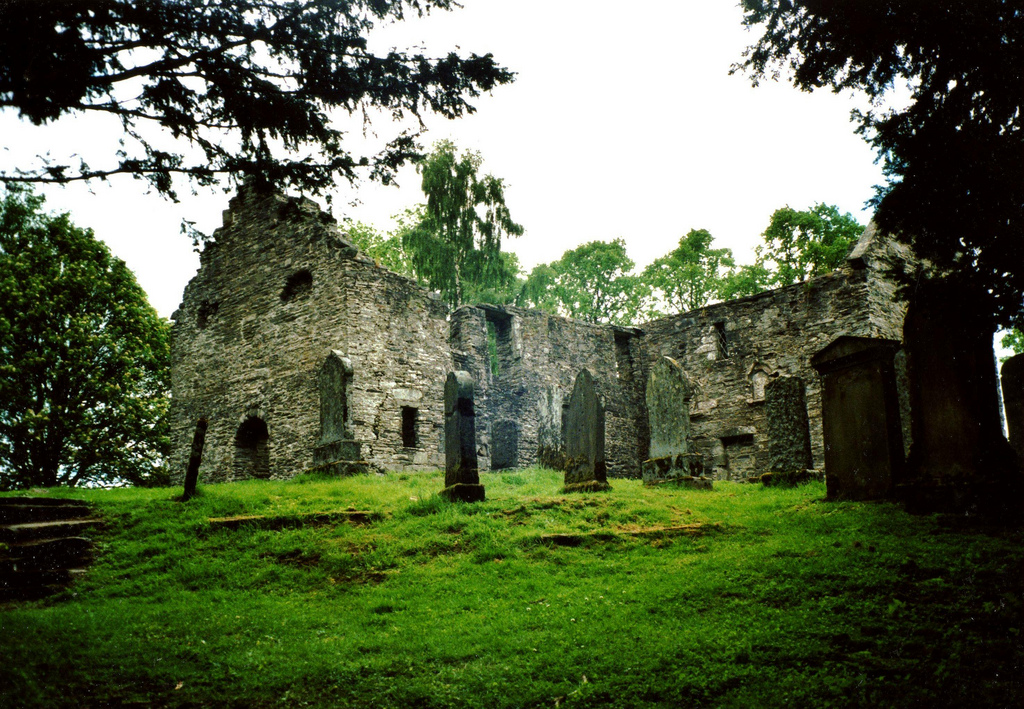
954	153
691	275
1014	340
386	250
456	245
802	244
242	86
593	282
84	359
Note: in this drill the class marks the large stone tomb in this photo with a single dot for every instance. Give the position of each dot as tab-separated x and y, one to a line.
863	434
789	435
585	467
668	412
337	452
461	474
959	460
1013	402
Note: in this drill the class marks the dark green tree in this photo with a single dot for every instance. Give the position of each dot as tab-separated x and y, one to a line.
1014	341
84	359
802	244
954	153
593	282
456	246
204	89
692	274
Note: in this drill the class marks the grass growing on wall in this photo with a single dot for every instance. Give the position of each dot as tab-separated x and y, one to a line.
780	600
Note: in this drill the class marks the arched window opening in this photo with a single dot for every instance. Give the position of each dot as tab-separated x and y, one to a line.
252	449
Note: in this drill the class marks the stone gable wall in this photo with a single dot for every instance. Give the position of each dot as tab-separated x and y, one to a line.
241	349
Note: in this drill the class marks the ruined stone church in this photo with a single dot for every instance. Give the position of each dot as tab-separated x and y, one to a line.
295	348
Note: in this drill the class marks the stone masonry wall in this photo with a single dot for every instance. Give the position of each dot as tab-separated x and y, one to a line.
539	356
278	289
732	349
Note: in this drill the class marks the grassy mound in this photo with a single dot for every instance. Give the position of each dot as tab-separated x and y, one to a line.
744	596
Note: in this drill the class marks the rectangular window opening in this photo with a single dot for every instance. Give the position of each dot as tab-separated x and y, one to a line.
623	357
409	416
499	342
721	340
492	348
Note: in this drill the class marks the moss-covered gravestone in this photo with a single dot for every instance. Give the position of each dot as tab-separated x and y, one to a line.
789	434
337	452
585	467
461	476
668	413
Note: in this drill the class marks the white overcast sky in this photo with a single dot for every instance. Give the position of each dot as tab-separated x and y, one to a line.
623	122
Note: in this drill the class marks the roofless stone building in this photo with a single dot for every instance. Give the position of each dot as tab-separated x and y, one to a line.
289	342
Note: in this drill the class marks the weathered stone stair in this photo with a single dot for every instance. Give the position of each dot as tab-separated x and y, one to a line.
41	547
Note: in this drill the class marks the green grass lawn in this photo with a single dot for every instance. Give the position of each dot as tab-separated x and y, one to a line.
782	599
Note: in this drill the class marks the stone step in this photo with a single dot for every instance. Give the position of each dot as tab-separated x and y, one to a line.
24	500
46	555
29	531
22	512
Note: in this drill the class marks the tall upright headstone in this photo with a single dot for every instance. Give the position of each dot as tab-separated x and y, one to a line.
1013	402
461	474
668	415
789	433
861	420
585	467
337	452
959	460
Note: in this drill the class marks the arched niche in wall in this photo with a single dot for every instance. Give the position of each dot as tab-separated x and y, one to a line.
334	382
758	377
252	448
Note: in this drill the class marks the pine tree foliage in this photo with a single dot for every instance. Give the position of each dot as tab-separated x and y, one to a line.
953	154
242	86
84	358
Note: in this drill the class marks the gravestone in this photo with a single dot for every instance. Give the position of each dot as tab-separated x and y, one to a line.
585	467
668	414
959	460
789	434
861	420
1013	402
504	444
195	459
461	476
337	452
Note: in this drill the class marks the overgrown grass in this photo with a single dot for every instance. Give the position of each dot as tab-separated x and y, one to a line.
790	601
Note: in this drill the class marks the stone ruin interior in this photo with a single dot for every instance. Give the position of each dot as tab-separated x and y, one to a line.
297	351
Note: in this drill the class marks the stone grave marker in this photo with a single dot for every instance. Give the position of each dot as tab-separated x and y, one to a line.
337	452
1013	402
864	453
668	413
789	434
195	459
585	467
461	475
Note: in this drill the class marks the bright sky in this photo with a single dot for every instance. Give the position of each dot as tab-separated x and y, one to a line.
623	122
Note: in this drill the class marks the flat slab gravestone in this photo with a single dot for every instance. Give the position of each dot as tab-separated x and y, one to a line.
668	414
789	433
461	474
864	452
585	467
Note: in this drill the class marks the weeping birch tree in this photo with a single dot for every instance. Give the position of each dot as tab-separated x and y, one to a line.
456	245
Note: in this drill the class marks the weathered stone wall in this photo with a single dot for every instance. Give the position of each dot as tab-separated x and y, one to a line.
730	350
277	290
539	357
